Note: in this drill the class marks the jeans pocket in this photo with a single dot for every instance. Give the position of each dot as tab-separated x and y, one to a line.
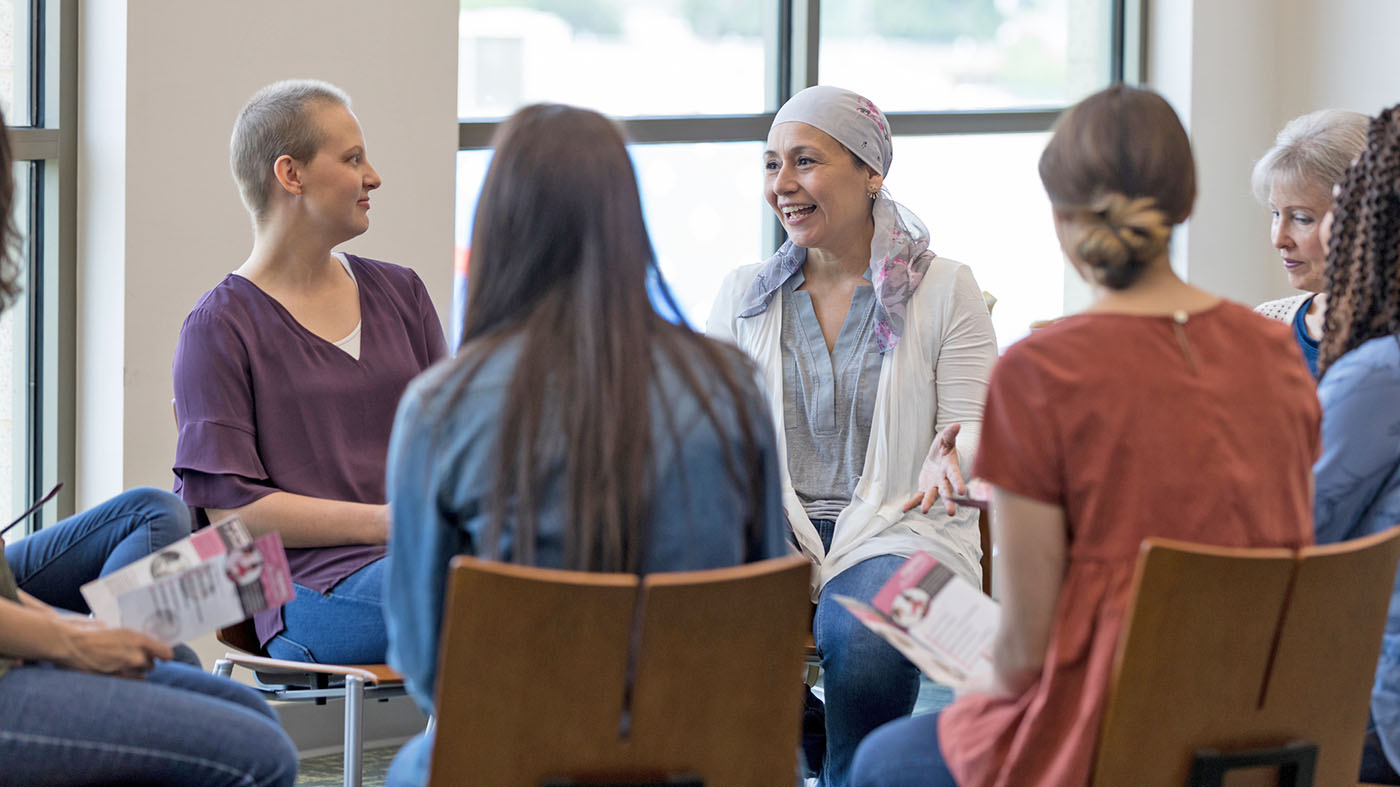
284	647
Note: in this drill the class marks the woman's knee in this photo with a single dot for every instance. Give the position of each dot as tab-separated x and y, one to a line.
165	514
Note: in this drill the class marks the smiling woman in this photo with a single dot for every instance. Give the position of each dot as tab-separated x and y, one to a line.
858	325
287	373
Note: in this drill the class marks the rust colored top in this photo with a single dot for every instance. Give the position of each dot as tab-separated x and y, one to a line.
1204	430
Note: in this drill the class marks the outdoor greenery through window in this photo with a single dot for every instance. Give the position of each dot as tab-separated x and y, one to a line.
971	85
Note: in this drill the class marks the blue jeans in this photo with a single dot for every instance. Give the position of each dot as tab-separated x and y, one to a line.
53	563
867	682
1375	768
178	726
342	626
903	753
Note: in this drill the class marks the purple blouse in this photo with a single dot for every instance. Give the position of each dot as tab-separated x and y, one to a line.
264	405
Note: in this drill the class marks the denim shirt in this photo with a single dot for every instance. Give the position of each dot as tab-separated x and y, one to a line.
1358	489
441	471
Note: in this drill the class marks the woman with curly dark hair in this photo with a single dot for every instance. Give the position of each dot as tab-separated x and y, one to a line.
1358	476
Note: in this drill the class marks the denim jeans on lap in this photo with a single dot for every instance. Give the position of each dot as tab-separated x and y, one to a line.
53	563
179	726
903	753
343	626
866	681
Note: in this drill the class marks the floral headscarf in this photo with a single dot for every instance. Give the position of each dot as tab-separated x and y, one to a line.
898	255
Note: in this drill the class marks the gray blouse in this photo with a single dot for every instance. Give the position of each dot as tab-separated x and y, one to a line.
829	398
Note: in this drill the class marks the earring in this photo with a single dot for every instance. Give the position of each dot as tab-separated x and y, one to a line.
875	194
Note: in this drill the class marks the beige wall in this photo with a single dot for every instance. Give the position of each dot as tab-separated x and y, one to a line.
160	219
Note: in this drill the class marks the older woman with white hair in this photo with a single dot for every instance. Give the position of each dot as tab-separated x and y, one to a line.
1295	179
876	353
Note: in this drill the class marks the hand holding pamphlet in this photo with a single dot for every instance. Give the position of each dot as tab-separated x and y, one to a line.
942	623
217	577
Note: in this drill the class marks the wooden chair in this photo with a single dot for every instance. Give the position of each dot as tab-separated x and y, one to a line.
554	677
291	681
1255	662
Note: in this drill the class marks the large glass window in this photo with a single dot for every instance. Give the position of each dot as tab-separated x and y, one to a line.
972	87
37	57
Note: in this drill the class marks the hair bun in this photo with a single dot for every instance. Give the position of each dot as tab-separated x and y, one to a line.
1121	236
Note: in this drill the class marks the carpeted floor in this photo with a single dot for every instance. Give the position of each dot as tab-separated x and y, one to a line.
326	771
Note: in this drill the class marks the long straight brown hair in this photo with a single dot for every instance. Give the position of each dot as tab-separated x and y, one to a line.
561	259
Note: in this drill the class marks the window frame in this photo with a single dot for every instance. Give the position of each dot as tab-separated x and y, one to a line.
793	57
48	142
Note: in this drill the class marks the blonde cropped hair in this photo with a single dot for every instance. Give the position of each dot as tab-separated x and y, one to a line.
1312	150
277	122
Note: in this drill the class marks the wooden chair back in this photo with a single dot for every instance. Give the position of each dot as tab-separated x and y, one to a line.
533	682
1243	650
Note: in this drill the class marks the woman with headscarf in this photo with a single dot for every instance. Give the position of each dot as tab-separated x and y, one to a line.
1358	475
1295	179
876	354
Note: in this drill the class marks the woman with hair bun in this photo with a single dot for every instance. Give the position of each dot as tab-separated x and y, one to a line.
1295	179
1358	476
1146	415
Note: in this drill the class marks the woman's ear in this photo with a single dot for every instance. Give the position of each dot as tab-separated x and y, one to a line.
873	181
289	174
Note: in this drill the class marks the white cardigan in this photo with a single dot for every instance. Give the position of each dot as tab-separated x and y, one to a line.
936	376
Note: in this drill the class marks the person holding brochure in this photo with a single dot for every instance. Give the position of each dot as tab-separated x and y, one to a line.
876	353
85	703
576	427
287	373
1150	414
1358	475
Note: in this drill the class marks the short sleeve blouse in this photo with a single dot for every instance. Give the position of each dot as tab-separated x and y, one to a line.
1136	426
264	405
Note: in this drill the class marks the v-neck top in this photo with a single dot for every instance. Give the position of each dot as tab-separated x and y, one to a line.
265	405
830	402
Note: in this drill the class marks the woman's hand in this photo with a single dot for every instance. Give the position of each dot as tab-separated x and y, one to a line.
940	474
92	646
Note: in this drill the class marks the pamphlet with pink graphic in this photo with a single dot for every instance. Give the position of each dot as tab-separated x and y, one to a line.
937	619
219	576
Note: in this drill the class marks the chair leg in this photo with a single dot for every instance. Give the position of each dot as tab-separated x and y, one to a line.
223	668
354	742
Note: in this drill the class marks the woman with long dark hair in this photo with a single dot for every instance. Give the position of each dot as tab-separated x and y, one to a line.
1146	415
1358	476
576	428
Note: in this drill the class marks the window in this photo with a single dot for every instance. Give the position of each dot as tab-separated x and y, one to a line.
37	60
971	88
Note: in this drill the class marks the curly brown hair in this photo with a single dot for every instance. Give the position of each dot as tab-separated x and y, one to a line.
1363	255
9	234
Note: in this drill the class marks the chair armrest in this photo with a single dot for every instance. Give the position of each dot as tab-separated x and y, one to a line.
372	674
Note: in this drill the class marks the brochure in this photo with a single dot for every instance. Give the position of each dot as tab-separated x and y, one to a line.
937	619
215	578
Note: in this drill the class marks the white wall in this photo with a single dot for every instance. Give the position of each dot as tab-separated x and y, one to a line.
160	217
1236	72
